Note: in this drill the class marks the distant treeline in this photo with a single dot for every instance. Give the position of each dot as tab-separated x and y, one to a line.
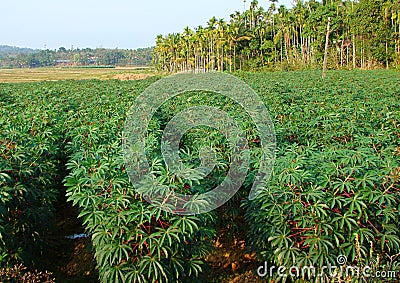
363	34
14	57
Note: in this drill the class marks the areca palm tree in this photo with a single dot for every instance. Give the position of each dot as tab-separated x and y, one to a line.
300	12
299	34
234	38
285	31
187	37
221	43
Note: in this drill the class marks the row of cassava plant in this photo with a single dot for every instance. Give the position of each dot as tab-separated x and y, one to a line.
334	189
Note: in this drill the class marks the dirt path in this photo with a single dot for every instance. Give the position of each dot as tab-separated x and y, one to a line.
70	260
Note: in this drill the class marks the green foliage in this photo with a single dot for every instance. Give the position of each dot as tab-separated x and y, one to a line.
335	186
134	241
30	145
13	57
364	34
334	190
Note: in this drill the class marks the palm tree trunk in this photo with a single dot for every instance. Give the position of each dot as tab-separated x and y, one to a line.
286	49
326	48
281	54
354	51
302	46
341	56
234	57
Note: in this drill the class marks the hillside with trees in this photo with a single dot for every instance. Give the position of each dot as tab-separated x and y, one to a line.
363	34
6	50
14	57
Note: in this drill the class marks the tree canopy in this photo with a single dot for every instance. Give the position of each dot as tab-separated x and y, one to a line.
364	34
12	57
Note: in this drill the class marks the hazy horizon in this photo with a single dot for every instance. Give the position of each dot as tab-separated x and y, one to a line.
46	24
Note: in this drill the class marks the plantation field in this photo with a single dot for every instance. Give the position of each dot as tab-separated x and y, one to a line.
335	188
55	74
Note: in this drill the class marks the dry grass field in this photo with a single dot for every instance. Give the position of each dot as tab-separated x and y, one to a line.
55	74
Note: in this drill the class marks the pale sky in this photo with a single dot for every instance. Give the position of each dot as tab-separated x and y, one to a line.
123	24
